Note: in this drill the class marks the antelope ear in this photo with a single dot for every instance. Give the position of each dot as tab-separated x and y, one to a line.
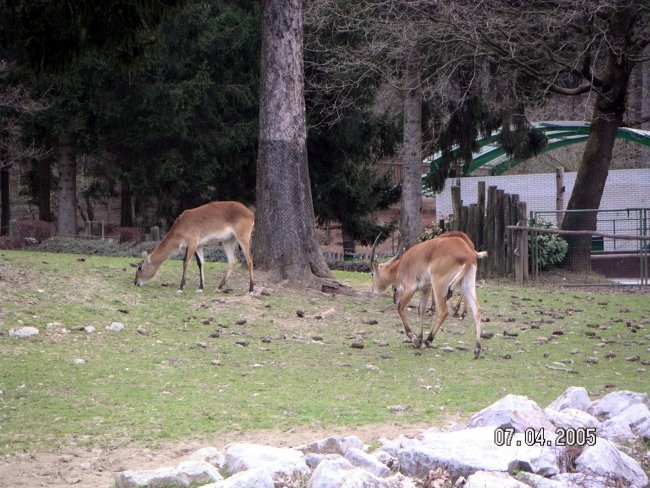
145	256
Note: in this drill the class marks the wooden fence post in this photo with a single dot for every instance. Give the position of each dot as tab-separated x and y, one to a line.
559	195
155	233
456	204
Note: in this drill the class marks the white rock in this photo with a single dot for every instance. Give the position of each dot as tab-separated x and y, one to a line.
313	459
150	477
512	411
614	403
573	397
198	472
89	329
23	332
571	418
335	444
280	462
466	451
258	478
208	454
605	461
580	480
637	417
491	479
538	481
365	461
116	326
341	474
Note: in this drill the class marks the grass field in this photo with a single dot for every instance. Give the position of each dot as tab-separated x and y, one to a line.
190	364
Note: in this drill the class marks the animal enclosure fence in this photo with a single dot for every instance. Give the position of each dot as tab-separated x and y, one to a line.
498	223
486	223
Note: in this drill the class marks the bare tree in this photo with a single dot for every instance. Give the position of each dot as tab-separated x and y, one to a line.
15	104
284	240
372	43
567	48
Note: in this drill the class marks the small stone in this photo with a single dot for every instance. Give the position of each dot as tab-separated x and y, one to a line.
141	331
357	345
369	322
632	359
23	332
300	313
591	360
116	326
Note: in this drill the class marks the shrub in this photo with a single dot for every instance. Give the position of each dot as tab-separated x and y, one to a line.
551	248
36	229
11	243
131	234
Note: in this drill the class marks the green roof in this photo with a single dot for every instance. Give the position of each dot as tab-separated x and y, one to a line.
558	133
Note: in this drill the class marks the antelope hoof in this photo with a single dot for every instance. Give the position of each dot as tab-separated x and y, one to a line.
477	350
417	342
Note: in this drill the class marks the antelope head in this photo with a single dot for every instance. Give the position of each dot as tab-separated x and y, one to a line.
383	274
144	270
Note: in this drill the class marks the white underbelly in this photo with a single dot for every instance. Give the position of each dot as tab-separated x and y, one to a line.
222	235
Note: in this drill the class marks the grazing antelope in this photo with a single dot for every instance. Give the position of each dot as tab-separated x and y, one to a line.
438	265
228	222
468	241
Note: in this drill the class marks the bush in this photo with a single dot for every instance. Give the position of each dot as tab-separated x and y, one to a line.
551	248
131	234
11	243
36	229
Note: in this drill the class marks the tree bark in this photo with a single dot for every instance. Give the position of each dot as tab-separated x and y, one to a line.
410	220
284	241
592	174
5	201
67	191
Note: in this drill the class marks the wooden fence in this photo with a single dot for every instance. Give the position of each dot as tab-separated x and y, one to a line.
486	223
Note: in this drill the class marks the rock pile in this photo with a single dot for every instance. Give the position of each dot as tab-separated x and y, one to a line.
574	442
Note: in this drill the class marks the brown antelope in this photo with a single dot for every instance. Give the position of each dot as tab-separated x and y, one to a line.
228	222
468	241
438	265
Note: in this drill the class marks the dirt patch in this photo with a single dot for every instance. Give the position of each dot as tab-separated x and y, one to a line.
97	467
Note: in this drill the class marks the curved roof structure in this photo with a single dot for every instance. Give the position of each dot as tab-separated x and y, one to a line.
559	133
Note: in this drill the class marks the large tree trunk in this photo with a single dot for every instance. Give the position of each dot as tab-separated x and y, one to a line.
67	191
411	221
5	201
284	241
592	174
44	181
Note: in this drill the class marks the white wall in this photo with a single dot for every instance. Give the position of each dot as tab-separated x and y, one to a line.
624	189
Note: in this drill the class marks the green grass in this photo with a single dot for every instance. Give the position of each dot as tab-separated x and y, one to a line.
181	379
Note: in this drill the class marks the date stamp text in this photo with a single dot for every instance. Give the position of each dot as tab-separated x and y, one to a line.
579	436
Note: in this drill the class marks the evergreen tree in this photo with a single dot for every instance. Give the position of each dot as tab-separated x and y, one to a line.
346	188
